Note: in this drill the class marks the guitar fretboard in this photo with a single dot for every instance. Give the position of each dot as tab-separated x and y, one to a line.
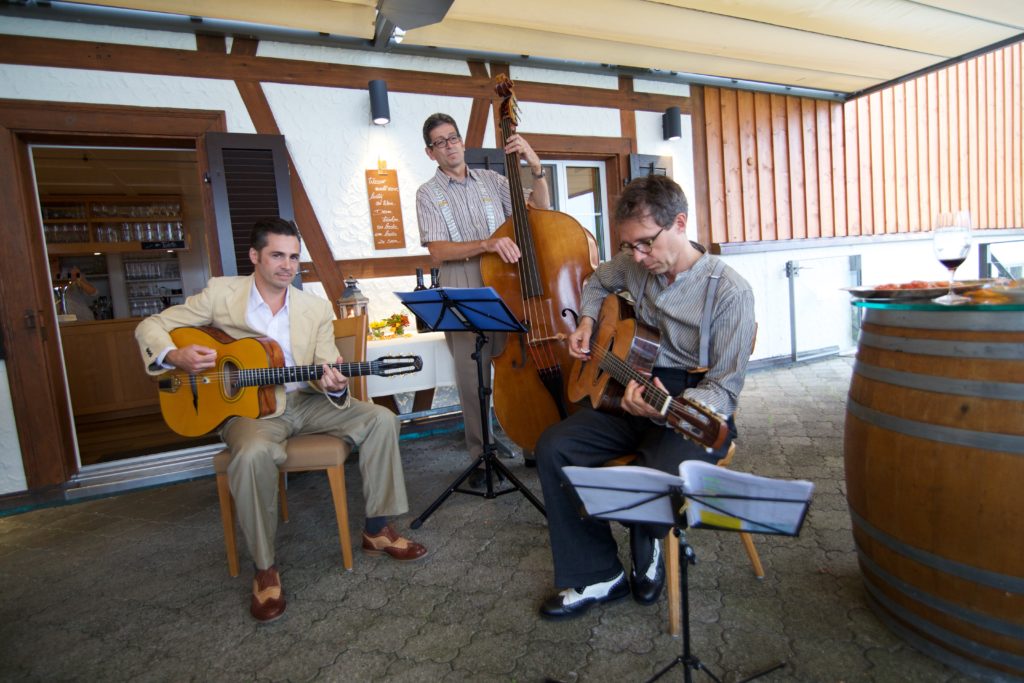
298	373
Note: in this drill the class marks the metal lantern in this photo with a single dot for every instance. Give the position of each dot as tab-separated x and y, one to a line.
352	302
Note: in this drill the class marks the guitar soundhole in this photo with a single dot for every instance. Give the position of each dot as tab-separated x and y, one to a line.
229	379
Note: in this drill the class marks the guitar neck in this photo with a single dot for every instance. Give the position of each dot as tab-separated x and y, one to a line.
689	418
298	373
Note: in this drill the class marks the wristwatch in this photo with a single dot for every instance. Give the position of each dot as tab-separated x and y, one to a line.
543	173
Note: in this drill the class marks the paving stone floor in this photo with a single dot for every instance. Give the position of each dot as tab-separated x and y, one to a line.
135	587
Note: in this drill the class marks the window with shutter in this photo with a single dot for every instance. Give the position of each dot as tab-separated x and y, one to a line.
249	178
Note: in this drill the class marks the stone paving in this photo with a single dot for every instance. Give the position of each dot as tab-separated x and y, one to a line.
135	587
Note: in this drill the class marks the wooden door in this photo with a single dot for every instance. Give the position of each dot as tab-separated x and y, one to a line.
29	325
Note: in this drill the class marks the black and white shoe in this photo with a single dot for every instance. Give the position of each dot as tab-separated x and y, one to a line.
572	602
647	585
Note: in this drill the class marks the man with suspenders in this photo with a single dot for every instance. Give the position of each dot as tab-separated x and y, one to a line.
704	313
458	210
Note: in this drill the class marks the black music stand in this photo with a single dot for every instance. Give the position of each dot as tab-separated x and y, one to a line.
641	494
476	310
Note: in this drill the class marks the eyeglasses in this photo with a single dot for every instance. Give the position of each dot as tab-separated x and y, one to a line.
642	246
445	142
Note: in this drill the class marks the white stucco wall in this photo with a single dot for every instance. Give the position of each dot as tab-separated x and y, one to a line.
12	471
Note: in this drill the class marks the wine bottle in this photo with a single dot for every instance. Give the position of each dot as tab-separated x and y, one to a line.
420	325
435	278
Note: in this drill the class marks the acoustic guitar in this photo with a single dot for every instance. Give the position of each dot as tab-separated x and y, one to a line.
623	348
242	383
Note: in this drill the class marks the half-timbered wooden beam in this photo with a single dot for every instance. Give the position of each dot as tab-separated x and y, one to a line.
78	54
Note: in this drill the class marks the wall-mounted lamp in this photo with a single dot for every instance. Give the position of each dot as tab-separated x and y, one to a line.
379	110
672	124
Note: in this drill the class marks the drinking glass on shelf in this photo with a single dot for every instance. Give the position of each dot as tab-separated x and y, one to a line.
951	242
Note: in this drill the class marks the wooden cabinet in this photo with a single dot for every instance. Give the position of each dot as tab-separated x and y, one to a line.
104	224
105	369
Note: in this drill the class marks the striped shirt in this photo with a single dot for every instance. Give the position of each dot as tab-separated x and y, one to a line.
467	205
676	309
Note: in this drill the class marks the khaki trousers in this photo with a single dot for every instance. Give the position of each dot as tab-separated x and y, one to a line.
462	345
258	447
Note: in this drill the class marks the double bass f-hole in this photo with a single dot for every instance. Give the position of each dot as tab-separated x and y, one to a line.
566	312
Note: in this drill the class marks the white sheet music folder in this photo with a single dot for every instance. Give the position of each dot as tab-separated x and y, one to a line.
716	497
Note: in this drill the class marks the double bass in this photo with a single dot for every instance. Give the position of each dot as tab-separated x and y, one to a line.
543	290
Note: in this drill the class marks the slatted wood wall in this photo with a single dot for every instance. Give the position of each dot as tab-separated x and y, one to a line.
783	168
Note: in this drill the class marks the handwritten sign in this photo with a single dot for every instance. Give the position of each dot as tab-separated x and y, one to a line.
385	209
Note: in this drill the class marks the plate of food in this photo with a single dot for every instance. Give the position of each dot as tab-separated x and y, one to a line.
915	289
1001	291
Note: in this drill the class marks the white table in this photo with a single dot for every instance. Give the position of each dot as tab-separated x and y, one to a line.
438	369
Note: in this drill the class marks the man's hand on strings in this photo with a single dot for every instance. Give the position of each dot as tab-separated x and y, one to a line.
633	401
333	381
579	340
193	358
504	247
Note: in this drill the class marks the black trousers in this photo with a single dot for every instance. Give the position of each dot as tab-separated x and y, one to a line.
583	550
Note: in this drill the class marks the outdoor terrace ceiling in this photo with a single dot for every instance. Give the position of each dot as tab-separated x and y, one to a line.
840	46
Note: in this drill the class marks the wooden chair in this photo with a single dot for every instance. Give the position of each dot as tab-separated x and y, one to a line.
305	453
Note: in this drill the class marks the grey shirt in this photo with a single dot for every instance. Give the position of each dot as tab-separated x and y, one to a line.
467	205
675	310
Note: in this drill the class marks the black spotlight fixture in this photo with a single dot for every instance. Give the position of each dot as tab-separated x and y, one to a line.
672	124
379	110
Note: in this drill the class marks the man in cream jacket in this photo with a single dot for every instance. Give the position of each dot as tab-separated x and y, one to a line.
265	304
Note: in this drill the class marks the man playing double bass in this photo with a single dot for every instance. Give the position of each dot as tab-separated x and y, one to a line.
458	210
673	282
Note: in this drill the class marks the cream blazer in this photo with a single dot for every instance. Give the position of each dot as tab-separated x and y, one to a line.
223	305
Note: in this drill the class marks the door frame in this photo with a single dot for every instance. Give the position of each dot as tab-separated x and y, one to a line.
30	330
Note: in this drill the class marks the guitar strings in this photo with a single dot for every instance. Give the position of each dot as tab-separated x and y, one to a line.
360	368
606	356
677	411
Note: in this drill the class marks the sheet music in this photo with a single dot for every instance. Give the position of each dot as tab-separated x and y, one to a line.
619	492
761	504
716	497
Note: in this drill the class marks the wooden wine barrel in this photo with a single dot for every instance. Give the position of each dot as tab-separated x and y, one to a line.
934	454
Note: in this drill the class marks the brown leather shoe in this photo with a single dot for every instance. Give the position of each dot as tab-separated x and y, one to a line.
267	595
387	542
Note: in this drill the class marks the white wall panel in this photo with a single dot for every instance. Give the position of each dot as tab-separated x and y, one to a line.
12	471
661	87
557	119
95	33
574	78
333	55
139	90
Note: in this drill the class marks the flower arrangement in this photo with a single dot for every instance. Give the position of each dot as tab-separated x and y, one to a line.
398	322
392	326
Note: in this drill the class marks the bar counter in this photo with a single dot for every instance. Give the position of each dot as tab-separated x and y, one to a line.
934	456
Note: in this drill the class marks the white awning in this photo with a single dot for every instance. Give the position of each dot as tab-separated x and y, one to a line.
842	46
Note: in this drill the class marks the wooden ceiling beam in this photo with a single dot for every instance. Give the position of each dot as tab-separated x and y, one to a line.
78	54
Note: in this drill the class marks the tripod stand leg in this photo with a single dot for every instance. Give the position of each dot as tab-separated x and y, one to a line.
687	658
487	457
500	466
418	522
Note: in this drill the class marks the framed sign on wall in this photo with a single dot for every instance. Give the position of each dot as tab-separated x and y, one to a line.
385	209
